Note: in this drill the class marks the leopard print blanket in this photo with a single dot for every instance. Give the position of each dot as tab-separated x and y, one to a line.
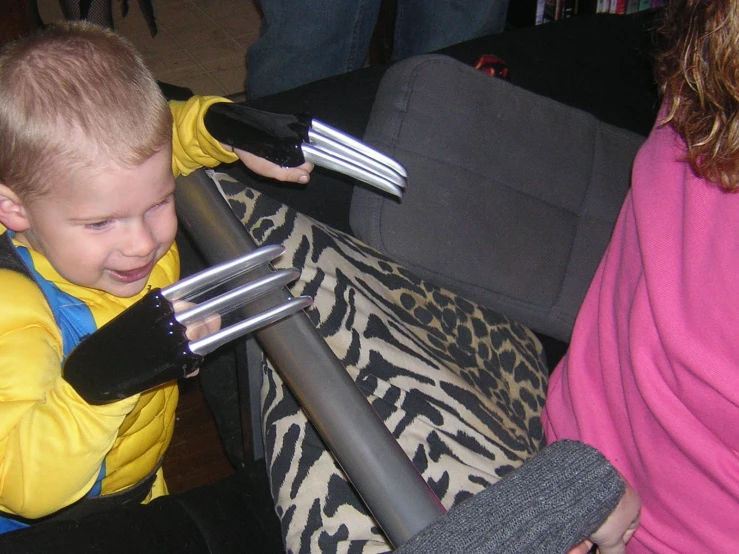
459	386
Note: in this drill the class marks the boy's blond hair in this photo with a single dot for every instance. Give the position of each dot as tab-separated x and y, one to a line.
75	96
698	72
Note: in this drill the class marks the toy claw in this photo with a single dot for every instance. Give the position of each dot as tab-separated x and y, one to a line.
146	346
289	140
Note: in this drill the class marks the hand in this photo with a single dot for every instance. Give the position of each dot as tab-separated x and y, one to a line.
199	329
300	174
612	536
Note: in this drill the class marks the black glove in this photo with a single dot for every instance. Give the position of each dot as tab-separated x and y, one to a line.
289	140
146	345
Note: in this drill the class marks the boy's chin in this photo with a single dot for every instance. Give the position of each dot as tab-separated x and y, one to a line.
124	290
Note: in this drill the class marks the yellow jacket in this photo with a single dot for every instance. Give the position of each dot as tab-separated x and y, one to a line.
53	445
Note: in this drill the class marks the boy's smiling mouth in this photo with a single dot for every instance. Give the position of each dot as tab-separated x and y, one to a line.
132	275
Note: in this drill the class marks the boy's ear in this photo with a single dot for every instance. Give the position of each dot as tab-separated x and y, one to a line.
12	212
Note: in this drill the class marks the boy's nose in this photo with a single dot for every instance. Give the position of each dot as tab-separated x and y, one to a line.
140	240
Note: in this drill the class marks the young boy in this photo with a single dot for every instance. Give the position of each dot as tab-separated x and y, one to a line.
88	158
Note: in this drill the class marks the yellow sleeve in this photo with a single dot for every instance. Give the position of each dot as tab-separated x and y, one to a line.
192	145
52	443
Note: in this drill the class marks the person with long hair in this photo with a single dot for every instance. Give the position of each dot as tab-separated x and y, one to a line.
651	376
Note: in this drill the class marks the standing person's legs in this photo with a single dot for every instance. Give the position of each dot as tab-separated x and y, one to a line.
426	25
96	11
308	40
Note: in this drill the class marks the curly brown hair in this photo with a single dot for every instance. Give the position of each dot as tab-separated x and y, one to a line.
697	68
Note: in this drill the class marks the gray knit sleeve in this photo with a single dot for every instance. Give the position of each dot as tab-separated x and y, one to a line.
552	502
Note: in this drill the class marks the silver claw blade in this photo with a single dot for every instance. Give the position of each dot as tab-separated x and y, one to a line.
238	297
215	276
210	278
328	147
267	317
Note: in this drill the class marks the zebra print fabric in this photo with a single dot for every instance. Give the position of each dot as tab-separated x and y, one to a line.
459	386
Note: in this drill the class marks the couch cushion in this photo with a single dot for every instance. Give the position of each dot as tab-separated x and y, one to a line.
461	387
511	196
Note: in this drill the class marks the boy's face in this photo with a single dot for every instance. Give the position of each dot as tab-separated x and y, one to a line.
107	229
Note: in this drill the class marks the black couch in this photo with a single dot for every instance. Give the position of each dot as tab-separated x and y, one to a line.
598	64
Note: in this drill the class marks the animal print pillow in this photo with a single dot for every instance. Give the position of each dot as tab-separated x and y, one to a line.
459	386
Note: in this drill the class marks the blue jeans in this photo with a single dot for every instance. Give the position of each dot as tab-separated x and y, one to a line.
306	40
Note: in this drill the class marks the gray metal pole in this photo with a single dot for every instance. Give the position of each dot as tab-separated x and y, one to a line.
391	487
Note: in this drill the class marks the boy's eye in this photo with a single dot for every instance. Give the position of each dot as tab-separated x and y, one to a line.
96	226
165	201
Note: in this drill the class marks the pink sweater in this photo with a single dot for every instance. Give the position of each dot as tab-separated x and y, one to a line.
651	378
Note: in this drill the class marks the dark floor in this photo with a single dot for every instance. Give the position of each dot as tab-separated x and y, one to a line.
196	456
201	44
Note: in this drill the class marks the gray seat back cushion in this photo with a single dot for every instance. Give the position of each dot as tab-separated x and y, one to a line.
511	196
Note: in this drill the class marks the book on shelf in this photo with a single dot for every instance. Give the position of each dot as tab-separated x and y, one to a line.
569	8
554	10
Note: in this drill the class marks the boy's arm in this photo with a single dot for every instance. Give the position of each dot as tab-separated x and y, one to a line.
193	147
52	443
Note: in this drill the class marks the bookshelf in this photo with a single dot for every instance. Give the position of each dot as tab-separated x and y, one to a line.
553	10
522	13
